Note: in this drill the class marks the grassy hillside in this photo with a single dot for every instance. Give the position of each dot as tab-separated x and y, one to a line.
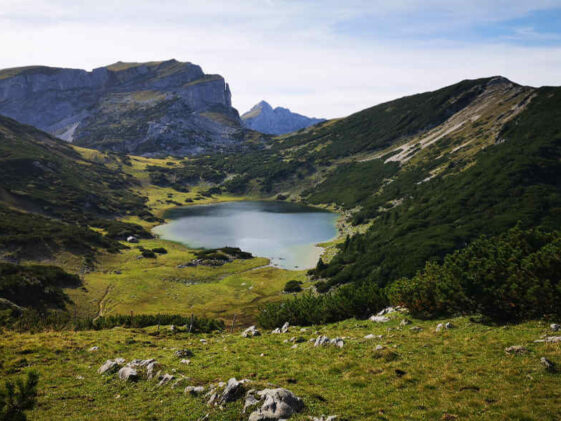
460	373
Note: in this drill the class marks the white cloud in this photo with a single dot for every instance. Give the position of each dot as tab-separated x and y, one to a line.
283	51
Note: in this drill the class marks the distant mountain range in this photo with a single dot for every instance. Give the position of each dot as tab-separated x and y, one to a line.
159	108
263	118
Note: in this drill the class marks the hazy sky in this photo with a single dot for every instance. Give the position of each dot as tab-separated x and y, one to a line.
321	58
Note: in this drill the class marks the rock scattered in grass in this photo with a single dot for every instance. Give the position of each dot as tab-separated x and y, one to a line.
442	326
550	339
555	327
194	390
379	319
516	349
416	329
110	367
182	353
128	373
277	404
165	379
184	361
548	365
93	349
250	332
324	340
405	322
233	390
324	418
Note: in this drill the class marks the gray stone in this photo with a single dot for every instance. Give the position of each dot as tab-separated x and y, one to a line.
132	239
233	390
194	390
405	322
324	418
93	349
183	353
516	349
277	404
166	378
548	365
251	332
416	329
285	327
338	342
555	327
109	367
128	374
379	319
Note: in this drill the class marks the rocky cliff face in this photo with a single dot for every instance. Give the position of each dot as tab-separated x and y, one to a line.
154	108
263	118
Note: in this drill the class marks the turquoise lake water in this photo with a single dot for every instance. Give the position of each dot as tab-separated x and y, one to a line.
286	233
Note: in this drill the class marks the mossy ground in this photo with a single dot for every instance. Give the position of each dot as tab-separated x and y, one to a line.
462	373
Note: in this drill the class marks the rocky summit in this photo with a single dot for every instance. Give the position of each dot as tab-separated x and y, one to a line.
266	119
154	108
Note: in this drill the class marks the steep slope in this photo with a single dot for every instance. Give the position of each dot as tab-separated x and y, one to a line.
159	108
263	118
426	173
49	194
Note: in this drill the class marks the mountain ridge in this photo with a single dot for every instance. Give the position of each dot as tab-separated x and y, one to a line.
263	118
160	108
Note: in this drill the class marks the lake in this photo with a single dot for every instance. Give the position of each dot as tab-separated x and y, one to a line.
286	233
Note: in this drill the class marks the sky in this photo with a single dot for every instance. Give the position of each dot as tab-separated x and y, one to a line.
326	58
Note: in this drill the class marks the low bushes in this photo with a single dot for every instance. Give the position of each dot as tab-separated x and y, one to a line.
511	277
348	301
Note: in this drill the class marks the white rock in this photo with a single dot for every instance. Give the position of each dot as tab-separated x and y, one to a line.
166	378
555	327
277	404
93	349
194	390
250	332
379	319
285	327
128	373
109	367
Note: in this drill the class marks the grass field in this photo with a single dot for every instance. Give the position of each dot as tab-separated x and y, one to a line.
461	373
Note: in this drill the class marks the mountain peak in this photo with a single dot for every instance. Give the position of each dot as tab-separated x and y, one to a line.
263	118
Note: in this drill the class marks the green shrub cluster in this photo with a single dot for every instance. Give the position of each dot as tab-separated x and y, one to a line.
17	398
38	287
358	301
511	277
32	320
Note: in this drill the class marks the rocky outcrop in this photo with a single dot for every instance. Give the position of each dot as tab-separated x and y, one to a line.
263	118
154	108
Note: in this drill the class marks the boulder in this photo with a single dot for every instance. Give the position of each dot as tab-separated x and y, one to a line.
549	365
184	361
128	373
250	332
338	342
183	353
276	330
194	390
277	404
233	390
416	329
324	418
285	327
165	379
555	327
93	349
379	319
110	366
132	239
550	339
405	322
516	349
321	341
442	326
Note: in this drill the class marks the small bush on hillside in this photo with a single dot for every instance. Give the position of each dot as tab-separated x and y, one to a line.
358	301
160	250
322	287
148	254
19	397
293	286
511	277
